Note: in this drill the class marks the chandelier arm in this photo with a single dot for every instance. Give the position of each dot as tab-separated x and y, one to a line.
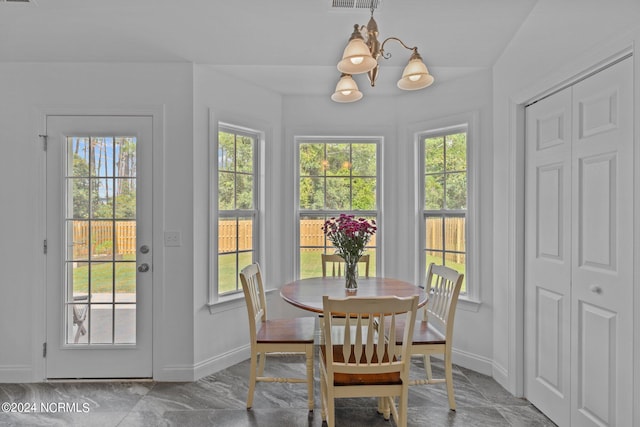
386	55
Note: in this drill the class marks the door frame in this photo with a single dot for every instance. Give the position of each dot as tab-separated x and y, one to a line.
38	309
512	375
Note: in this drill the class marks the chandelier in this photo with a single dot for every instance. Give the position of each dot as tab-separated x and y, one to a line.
361	56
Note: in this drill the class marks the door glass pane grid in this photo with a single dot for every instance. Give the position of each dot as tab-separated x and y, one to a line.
101	240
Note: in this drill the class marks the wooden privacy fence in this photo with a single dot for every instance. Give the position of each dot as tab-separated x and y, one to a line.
453	239
311	236
102	234
227	235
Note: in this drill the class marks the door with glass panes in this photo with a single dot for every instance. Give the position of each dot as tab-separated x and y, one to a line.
99	248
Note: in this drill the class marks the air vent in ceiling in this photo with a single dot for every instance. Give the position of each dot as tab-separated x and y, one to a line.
355	4
19	2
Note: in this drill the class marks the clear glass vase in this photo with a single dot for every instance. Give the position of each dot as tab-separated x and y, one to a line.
351	276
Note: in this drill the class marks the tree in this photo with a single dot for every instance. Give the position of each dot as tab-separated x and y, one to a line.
446	172
338	176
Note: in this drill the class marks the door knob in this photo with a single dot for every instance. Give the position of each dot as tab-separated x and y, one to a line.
143	268
595	289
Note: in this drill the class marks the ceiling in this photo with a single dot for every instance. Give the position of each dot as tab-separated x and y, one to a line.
289	46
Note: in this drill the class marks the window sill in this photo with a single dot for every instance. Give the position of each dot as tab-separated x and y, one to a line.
231	302
469	304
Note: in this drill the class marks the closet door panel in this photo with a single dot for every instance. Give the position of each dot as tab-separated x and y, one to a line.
548	255
602	245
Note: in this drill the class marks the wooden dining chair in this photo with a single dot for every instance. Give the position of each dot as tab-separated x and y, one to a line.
336	261
443	285
274	336
357	359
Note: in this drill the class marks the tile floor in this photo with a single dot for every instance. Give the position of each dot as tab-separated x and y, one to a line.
219	400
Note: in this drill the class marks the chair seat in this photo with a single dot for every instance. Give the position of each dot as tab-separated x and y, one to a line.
423	333
345	379
300	329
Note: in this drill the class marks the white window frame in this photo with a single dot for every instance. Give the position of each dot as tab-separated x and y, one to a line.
377	213
455	124
214	214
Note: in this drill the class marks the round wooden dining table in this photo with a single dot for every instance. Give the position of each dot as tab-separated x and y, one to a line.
307	293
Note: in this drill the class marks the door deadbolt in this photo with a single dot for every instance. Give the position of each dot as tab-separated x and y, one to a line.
144	249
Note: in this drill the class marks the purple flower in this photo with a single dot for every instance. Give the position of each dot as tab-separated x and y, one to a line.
349	235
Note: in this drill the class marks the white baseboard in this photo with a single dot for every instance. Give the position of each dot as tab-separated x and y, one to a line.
221	361
501	375
16	374
472	361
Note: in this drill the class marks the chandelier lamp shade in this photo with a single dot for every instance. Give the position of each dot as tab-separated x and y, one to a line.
361	56
346	90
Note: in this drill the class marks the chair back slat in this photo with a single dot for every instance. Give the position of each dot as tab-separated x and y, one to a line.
393	348
443	284
365	344
253	288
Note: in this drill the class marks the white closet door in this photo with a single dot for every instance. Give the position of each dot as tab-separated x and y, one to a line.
579	251
602	270
548	255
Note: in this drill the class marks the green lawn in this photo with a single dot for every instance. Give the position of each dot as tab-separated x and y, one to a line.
102	272
102	276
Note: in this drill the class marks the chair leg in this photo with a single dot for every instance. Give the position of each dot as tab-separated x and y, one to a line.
401	420
310	376
252	377
386	403
331	409
323	396
262	357
427	366
448	374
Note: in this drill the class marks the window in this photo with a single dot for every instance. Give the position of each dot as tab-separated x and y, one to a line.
237	205
446	195
334	176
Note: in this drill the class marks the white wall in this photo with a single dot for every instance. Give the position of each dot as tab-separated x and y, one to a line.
558	41
222	332
26	87
396	118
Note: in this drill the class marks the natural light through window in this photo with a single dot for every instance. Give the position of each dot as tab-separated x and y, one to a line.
445	199
237	226
334	177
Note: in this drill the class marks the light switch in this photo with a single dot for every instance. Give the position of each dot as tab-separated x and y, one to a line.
172	238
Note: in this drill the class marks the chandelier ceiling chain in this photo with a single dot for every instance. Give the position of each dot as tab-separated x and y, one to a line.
361	56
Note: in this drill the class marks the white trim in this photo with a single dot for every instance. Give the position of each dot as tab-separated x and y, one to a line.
378	140
470	122
636	240
263	135
222	361
176	373
500	373
512	377
157	114
190	373
475	362
18	374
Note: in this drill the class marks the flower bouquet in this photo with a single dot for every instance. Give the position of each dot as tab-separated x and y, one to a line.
350	237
